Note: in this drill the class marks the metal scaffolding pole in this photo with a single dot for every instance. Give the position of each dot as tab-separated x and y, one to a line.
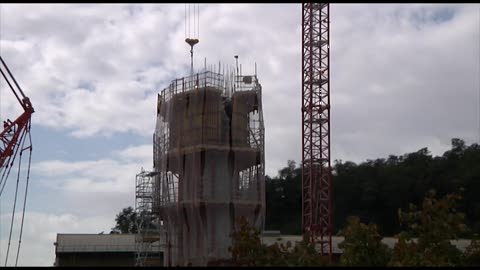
147	239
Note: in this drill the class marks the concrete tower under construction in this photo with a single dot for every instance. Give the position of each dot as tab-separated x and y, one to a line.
208	164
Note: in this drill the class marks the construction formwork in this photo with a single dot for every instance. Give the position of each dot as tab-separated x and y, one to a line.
209	160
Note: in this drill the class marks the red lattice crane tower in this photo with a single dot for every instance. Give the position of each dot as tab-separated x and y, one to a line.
316	169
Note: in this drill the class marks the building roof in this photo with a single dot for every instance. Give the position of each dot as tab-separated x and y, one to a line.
126	242
95	243
270	238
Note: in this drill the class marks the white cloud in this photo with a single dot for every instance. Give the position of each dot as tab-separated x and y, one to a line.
412	84
101	76
40	232
403	77
140	152
89	195
104	45
88	176
108	183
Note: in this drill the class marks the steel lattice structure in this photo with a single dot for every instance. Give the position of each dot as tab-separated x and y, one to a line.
316	169
148	240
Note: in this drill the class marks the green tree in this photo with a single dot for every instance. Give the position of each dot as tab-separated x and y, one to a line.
363	245
305	254
247	250
433	226
284	200
126	221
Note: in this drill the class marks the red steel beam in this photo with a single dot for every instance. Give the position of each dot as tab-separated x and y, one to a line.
316	166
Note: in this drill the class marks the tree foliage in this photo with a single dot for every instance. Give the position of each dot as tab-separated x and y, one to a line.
425	241
284	200
247	250
375	189
126	221
363	245
434	226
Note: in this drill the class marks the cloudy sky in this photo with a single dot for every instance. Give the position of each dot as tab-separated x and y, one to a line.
403	77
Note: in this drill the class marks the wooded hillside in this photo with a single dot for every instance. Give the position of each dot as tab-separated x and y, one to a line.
374	190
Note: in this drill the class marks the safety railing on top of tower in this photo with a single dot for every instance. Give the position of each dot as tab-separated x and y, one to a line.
199	80
209	79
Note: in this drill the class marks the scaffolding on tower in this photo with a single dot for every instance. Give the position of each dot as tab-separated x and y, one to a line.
148	241
316	167
209	156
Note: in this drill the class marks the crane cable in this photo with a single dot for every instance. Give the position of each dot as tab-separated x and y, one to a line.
185	21
192	22
0	55
192	40
20	149
1	115
26	192
15	197
198	21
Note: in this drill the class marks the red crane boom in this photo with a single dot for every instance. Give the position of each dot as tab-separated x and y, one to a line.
13	131
12	143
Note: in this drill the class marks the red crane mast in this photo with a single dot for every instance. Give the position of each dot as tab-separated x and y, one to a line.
316	167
